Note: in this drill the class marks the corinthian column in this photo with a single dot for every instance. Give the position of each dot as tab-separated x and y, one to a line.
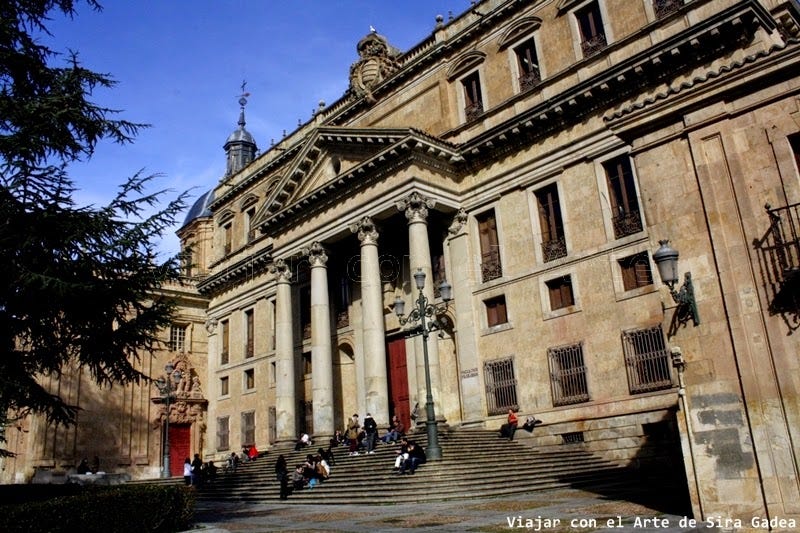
285	400
415	206
372	323
321	363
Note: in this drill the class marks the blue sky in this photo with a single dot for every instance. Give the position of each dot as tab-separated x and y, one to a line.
179	65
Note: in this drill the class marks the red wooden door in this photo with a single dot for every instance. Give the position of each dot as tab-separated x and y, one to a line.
398	381
179	447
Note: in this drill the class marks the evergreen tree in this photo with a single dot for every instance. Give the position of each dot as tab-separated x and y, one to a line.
79	286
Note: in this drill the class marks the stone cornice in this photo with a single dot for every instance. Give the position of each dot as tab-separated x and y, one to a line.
707	39
235	273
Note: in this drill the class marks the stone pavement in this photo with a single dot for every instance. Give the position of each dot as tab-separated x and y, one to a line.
567	510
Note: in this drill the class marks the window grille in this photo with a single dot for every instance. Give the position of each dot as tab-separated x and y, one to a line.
177	338
647	360
568	374
572	438
248	428
223	441
501	386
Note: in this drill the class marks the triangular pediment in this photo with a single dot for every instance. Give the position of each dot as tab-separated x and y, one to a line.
334	158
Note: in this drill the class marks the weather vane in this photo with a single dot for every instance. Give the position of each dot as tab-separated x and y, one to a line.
244	95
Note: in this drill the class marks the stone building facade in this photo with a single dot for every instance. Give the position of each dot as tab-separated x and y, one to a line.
534	154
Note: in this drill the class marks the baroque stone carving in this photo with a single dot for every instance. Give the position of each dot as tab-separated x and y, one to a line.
366	231
377	62
317	255
415	206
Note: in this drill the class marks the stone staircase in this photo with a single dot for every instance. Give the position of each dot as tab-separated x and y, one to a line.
474	464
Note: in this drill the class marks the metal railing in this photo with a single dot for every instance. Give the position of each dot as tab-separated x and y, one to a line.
783	239
554	249
529	80
490	266
593	44
627	223
664	8
473	111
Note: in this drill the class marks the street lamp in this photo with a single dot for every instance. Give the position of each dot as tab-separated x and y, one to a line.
666	259
167	385
422	311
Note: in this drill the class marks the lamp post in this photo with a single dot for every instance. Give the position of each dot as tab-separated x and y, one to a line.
666	259
167	385
425	314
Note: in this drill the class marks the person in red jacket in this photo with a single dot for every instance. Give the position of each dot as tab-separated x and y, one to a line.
510	427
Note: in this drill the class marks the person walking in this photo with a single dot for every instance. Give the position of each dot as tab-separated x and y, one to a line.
197	466
187	471
282	475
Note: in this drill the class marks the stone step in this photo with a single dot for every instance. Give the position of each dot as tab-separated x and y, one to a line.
474	464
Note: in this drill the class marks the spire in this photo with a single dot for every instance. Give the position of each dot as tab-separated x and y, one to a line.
240	147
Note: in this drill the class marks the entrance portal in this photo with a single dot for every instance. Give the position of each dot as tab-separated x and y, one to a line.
179	447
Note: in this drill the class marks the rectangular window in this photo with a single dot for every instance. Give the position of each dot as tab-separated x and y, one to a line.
273	372
251	230
224	389
473	99
490	246
249	379
501	386
248	428
625	216
307	363
593	38
249	321
554	244
528	65
223	433
635	271
496	311
225	340
647	359
560	291
227	242
343	303
177	338
568	374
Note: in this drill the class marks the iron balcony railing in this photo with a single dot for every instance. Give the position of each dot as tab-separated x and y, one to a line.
783	239
490	266
529	80
473	111
554	249
593	44
627	223
664	8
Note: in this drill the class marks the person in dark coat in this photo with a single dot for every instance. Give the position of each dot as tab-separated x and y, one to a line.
282	475
197	467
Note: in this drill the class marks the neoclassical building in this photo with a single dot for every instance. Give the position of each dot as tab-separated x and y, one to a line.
546	158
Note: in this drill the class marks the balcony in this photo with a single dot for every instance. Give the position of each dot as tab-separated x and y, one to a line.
664	8
490	266
593	44
529	80
554	249
779	262
627	223
473	111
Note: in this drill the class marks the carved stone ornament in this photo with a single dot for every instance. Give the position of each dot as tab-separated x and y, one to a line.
366	231
280	269
377	62
415	206
187	404
317	254
458	224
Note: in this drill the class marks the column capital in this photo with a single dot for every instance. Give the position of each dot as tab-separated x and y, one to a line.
459	224
317	255
415	206
366	231
280	268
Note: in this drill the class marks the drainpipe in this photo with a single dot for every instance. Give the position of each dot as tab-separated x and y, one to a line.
680	365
